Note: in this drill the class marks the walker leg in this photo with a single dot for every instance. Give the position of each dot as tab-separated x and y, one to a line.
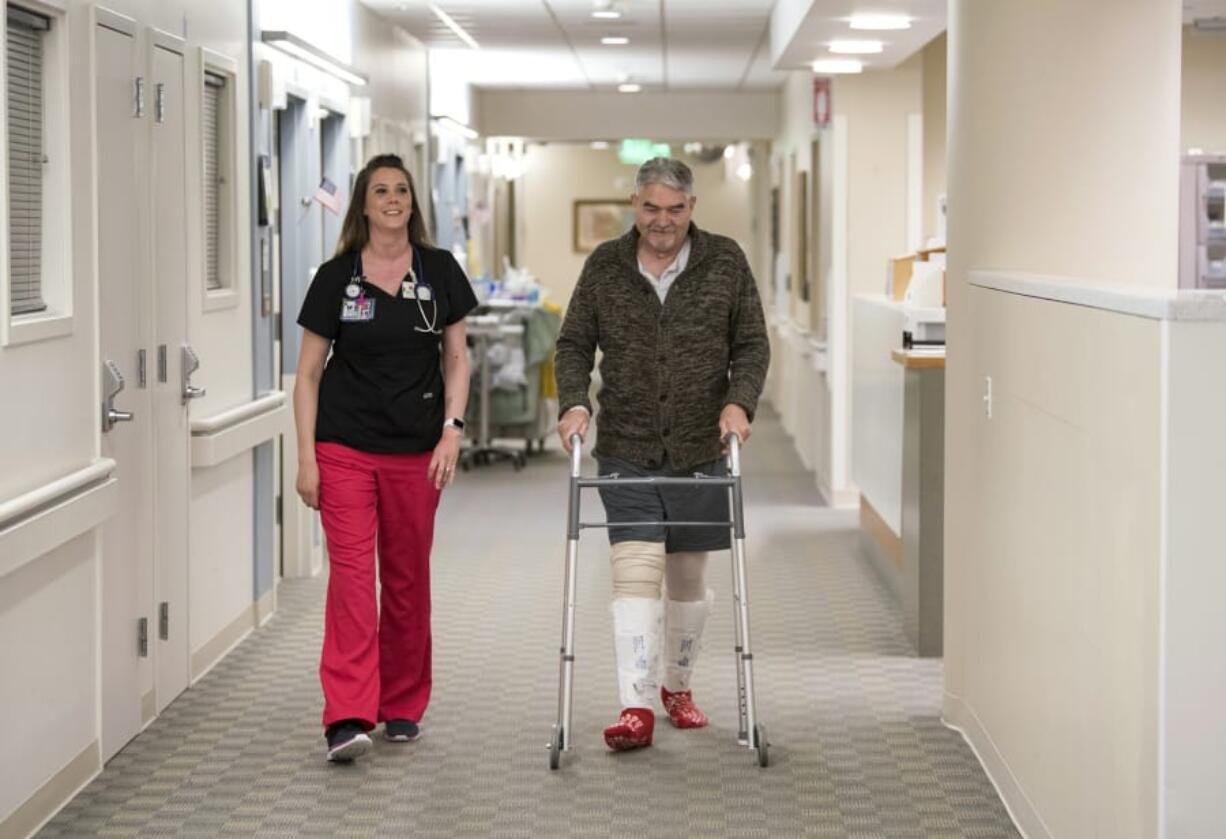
751	733
566	660
745	670
560	740
743	729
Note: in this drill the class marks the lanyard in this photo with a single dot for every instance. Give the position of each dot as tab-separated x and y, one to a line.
415	288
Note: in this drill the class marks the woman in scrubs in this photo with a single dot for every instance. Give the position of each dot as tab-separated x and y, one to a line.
378	404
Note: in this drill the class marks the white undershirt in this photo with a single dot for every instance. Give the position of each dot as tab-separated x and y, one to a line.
669	274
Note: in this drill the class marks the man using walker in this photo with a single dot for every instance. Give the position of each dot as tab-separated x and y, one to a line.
676	313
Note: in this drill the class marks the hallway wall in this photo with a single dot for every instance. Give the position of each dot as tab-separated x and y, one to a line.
52	562
863	218
49	611
1203	90
1053	529
678	116
558	174
935	92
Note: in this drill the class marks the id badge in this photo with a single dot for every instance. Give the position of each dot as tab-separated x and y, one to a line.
357	311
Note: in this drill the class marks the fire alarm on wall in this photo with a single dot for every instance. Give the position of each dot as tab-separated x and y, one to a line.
821	101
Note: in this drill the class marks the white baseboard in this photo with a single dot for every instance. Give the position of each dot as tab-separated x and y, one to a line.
51	797
148	707
958	716
215	649
265	607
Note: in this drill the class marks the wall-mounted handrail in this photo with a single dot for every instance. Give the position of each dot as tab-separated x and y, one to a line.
233	416
54	492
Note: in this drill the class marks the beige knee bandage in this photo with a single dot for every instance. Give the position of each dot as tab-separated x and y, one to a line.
638	568
685	575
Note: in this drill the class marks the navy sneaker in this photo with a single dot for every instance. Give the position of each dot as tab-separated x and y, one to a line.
347	740
401	731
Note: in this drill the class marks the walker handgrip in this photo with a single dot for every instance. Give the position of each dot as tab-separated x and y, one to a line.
733	441
576	454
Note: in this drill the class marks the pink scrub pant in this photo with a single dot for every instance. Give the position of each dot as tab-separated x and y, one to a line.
376	657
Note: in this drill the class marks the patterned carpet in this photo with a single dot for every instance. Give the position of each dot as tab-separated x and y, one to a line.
857	747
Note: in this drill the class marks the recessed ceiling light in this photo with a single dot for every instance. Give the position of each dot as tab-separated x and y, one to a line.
880	22
837	65
614	40
606	9
856	47
629	88
599	145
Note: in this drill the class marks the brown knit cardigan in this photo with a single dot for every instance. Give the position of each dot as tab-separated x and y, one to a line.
667	369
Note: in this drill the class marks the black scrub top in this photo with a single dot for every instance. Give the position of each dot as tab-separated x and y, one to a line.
382	388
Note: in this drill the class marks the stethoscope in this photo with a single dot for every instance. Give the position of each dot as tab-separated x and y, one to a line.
410	289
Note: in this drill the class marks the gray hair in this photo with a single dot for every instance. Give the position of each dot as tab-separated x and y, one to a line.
667	171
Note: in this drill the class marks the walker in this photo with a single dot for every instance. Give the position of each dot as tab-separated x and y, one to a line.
752	733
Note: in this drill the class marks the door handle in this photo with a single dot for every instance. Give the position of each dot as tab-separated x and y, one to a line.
189	363
112	384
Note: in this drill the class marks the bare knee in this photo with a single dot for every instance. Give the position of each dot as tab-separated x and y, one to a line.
685	572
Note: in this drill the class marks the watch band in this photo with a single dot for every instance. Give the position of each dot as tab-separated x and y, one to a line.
454	422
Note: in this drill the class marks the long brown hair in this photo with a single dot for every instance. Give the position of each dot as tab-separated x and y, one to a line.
355	230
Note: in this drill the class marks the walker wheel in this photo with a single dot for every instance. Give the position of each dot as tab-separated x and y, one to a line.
555	747
761	744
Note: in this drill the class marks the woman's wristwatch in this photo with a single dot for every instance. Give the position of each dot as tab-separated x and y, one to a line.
454	422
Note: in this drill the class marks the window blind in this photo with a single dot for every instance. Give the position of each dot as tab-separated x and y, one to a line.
214	94
26	157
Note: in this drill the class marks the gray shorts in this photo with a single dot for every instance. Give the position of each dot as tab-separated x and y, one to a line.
664	503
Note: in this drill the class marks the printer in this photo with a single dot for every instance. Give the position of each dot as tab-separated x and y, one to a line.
923	326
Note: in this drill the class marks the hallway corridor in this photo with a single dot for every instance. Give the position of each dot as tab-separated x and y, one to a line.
857	745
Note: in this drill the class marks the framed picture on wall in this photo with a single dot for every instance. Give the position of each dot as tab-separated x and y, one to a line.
597	221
